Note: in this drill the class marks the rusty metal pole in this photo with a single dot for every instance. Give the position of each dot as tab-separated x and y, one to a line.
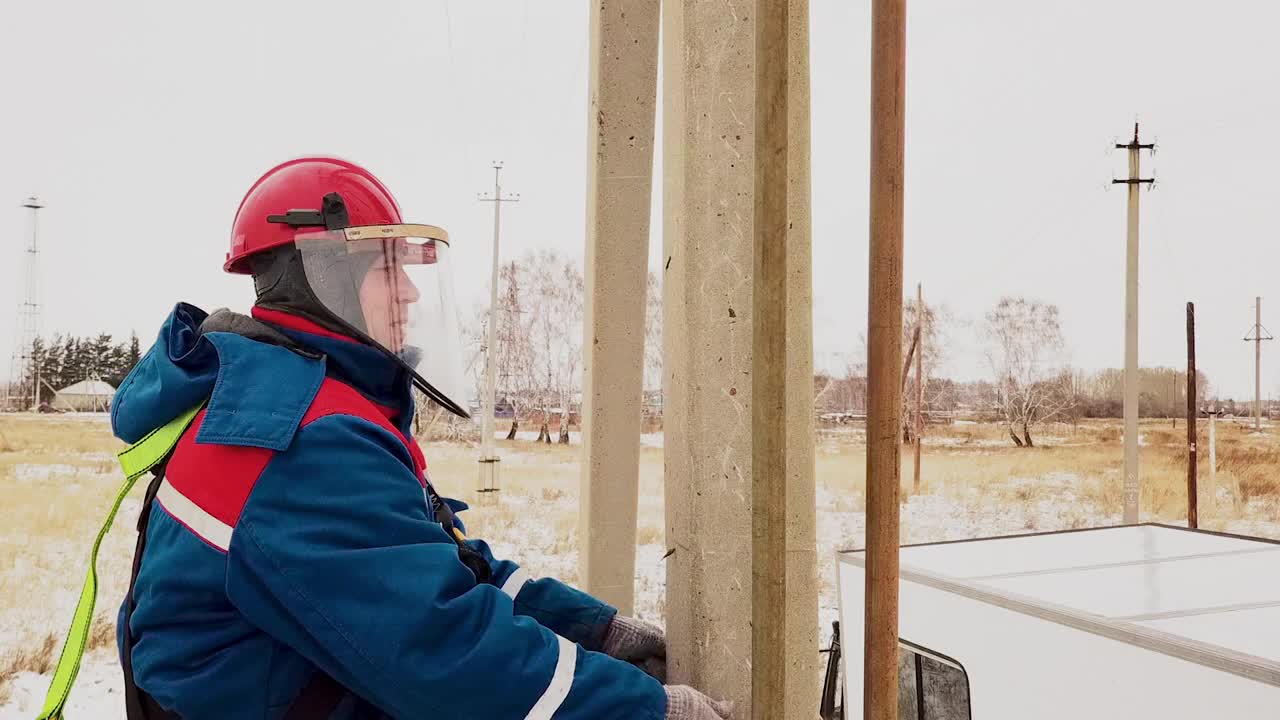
1193	519
919	430
884	353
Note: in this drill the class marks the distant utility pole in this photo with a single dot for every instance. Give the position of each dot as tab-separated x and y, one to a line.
23	364
1134	181
919	431
1256	337
488	458
1193	520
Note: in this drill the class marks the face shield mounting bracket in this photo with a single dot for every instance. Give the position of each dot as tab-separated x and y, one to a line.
331	216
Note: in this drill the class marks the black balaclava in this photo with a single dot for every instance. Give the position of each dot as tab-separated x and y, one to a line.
324	287
325	291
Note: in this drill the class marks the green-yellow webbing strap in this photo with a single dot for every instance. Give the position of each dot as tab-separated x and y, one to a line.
135	460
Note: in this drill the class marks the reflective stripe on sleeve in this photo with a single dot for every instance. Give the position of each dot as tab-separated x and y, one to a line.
561	681
515	582
207	527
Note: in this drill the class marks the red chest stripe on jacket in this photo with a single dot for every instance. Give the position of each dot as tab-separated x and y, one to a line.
336	398
215	480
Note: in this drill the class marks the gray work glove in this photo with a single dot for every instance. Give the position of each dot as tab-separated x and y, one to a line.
640	643
685	703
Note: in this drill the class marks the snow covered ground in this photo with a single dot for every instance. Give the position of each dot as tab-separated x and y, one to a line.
534	522
925	518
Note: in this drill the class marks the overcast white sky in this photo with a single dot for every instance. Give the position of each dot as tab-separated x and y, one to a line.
142	123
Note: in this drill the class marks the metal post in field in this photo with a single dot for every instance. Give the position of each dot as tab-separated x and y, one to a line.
919	429
1193	520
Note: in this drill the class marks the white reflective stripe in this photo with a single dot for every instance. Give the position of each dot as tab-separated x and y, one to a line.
515	583
558	690
208	527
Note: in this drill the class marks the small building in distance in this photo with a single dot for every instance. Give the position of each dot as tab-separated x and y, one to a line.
85	396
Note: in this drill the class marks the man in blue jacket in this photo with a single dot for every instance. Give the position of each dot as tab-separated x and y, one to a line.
298	562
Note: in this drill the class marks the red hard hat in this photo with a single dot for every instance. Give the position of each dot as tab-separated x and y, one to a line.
303	184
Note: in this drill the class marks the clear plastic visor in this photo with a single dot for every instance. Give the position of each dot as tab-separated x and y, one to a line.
393	284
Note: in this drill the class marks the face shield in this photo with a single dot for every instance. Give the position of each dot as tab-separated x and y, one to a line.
393	286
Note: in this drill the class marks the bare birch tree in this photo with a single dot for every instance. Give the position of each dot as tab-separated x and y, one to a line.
1026	354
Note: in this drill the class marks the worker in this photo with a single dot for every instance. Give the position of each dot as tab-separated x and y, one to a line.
296	561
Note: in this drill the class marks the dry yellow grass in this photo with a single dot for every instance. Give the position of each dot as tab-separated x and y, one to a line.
58	476
958	458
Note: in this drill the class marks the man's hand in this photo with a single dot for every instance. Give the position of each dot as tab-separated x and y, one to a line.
685	703
640	643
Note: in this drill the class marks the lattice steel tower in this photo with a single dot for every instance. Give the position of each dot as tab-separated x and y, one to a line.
24	378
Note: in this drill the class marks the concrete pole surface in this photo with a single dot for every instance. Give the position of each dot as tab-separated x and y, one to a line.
623	87
884	353
708	87
803	681
1131	477
784	593
708	259
768	367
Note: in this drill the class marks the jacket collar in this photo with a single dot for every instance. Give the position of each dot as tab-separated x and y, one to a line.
380	378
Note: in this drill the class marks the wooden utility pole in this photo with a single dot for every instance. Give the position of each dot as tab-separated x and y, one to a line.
1134	181
884	346
919	431
1256	337
1192	496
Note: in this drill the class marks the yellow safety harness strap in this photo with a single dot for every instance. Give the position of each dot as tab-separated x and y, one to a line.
135	460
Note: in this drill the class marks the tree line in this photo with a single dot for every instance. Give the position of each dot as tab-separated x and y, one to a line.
1031	380
64	360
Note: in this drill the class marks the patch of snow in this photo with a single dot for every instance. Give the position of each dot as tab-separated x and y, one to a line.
28	473
98	693
653	440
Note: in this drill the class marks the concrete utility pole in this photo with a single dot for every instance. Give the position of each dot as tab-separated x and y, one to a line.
784	582
709	357
623	87
1256	337
488	480
884	352
1132	491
